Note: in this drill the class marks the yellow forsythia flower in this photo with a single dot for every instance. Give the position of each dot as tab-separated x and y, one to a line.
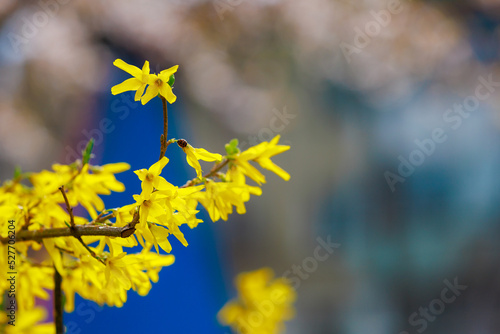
263	304
159	84
261	154
220	197
83	185
195	154
109	284
142	78
33	282
138	82
163	207
151	178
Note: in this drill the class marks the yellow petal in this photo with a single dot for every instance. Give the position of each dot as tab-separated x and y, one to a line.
162	260
158	166
55	254
115	167
133	70
190	190
29	318
147	188
165	74
180	236
275	140
202	154
161	235
166	92
192	161
141	173
129	84
246	168
153	80
161	184
145	72
269	165
230	313
139	92
156	210
151	92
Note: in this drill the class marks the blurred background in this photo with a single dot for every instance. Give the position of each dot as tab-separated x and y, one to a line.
390	110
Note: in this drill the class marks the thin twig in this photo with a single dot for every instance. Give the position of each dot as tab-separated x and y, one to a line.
64	250
170	141
102	218
73	226
58	305
130	228
215	169
163	138
68	207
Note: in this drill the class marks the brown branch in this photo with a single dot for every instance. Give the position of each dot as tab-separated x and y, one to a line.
102	218
58	305
68	207
215	169
81	230
130	228
73	227
163	137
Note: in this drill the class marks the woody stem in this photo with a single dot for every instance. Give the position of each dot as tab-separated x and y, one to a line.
163	138
216	168
58	304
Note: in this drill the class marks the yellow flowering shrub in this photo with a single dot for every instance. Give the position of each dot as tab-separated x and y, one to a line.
262	305
45	246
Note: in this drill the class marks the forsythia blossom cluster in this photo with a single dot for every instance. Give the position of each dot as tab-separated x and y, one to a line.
38	208
263	304
93	255
30	322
